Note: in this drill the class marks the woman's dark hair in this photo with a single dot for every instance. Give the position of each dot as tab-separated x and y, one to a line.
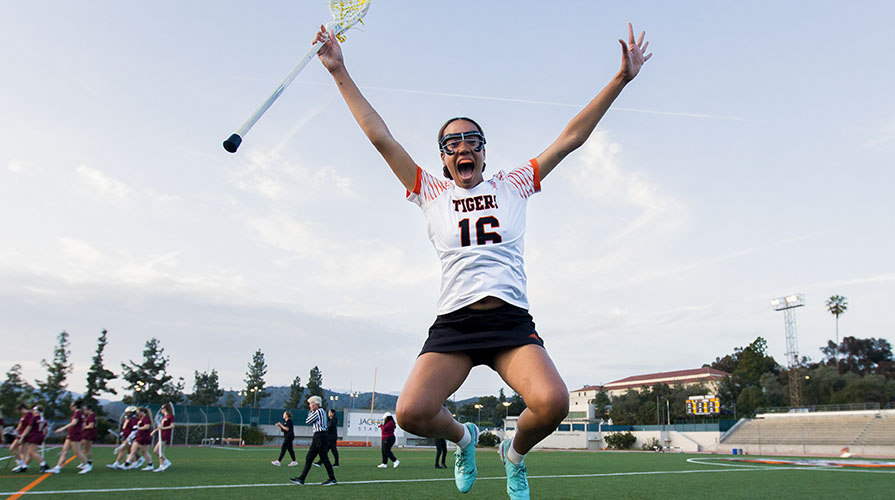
441	134
387	419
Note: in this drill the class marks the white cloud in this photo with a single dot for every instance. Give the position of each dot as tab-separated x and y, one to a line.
15	166
107	188
274	178
283	232
337	264
600	176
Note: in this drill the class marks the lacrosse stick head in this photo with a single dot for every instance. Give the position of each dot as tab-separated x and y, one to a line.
346	13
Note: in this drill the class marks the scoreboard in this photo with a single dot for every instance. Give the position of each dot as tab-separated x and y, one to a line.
703	405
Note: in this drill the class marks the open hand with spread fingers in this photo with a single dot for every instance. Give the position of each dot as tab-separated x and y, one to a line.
633	54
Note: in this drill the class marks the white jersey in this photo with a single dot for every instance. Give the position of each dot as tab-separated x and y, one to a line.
478	234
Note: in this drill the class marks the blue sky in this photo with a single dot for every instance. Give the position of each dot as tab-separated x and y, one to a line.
752	158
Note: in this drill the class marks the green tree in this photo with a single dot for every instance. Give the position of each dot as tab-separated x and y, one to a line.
149	381
98	377
869	388
866	356
315	386
296	393
749	399
824	383
625	408
254	391
230	400
746	366
489	410
467	411
206	389
53	395
14	390
772	390
602	403
837	305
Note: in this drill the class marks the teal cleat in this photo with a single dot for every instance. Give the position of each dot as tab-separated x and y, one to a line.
464	461
517	475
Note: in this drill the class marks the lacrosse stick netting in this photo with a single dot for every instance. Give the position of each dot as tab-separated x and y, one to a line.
346	13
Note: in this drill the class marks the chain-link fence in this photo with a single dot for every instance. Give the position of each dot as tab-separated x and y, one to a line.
219	425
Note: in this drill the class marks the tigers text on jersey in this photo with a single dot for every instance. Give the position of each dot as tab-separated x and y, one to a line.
478	234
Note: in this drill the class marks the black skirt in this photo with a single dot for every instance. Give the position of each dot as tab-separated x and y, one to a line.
482	334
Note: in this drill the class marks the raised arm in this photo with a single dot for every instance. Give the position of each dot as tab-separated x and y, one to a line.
583	124
369	120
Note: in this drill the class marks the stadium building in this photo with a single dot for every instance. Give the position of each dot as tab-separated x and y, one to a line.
580	400
708	377
583	430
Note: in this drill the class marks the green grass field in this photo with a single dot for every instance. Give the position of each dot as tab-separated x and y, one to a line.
216	473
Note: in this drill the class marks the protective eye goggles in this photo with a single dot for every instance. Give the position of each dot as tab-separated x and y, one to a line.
450	142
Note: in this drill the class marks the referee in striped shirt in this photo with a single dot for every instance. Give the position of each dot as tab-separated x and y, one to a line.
317	419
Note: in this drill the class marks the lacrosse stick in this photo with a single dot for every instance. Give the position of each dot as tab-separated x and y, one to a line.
346	13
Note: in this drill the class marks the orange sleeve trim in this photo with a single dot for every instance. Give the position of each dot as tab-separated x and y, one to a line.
417	183
537	175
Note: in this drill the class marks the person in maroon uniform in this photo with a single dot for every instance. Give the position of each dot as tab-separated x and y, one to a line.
126	435
73	440
142	440
17	448
165	431
388	440
33	436
88	433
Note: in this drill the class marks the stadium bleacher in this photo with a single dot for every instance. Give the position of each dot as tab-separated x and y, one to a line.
820	430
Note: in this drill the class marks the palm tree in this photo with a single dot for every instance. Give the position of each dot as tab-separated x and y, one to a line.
837	305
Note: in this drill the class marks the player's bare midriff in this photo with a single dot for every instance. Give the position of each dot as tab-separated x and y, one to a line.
486	304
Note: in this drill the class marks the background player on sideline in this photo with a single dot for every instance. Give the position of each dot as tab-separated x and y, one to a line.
165	433
126	435
288	428
332	437
88	434
73	439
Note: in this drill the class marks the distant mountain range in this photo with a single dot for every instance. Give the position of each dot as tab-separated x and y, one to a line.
279	395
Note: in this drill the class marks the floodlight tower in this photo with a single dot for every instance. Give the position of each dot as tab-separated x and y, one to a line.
787	305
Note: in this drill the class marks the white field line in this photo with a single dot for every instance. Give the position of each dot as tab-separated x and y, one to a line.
712	461
393	481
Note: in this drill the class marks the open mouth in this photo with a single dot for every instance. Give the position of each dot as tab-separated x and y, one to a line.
466	169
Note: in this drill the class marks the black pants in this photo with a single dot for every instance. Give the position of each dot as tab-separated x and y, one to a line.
387	454
331	446
287	446
318	447
440	451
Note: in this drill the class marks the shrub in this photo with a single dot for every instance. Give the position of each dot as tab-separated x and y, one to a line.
252	435
620	440
651	444
488	439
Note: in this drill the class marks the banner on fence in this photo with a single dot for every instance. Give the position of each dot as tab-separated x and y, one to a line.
361	424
